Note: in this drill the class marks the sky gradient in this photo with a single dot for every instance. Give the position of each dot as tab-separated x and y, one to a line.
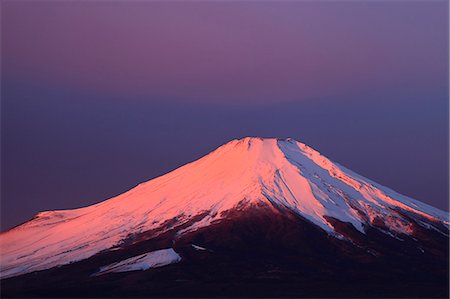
100	96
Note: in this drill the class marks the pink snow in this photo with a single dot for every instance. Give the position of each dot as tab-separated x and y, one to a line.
282	172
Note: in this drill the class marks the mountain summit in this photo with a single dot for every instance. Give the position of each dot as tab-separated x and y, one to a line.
249	176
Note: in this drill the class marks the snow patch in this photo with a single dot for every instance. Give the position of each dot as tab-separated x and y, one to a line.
198	247
143	262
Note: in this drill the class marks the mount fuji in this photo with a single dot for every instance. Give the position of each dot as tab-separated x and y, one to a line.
257	217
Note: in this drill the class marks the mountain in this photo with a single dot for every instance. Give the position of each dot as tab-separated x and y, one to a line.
256	217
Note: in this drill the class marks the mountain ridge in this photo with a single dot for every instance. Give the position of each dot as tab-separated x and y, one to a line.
251	170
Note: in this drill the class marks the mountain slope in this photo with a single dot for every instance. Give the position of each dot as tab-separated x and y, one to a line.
258	250
238	175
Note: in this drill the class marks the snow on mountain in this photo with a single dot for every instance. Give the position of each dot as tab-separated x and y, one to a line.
198	247
241	172
144	261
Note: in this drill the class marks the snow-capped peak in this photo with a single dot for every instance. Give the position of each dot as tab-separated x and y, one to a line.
244	172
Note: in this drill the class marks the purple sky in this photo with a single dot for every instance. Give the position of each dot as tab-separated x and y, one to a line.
99	96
